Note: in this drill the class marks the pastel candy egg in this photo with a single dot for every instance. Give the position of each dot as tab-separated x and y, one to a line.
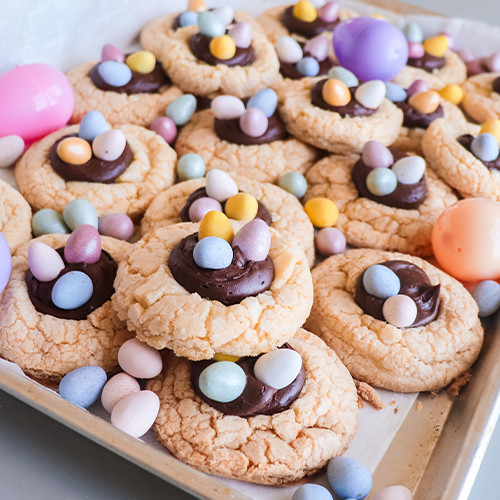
109	145
188	18
409	170
322	212
119	226
395	492
436	46
400	311
241	33
5	262
216	223
196	5
225	357
485	147
241	206
181	110
278	368
190	166
305	11
487	296
425	102
254	240
222	381
225	14
219	185
143	62
381	181
48	221
78	212
417	87
114	73
491	127
335	93
474	67
266	100
201	207
371	94
165	127
45	263
227	107
222	47
72	290
253	122
413	33
317	48
308	66
295	183
329	12
330	241
289	51
349	478
493	62
212	253
74	151
93	123
415	50
210	24
118	387
11	149
394	92
376	155
381	281
136	413
139	359
452	93
348	78
112	53
311	492
83	386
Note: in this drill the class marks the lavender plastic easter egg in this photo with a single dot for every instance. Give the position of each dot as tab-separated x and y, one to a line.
254	240
373	49
5	262
119	226
83	245
45	263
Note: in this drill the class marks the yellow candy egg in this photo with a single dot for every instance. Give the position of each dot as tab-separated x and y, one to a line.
491	127
436	46
241	206
141	62
305	11
336	92
74	150
216	223
225	357
222	47
196	5
379	16
452	93
322	212
425	102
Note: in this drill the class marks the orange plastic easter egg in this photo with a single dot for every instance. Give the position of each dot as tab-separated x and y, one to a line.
425	102
466	239
336	93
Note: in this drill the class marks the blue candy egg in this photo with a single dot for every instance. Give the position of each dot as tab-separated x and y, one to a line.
413	33
266	100
210	24
114	73
222	381
72	290
485	147
308	66
394	92
487	296
212	252
380	281
188	18
349	478
344	75
295	183
83	386
78	212
48	221
311	492
190	166
381	181
93	123
181	110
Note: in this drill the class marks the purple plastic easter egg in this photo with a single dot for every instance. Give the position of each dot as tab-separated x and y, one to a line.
45	263
254	240
201	207
5	262
165	127
83	245
119	226
373	49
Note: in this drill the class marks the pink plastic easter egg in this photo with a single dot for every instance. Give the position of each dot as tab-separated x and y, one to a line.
45	263
117	388
5	262
83	245
139	359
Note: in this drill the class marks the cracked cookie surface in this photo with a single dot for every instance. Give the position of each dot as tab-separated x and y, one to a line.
480	102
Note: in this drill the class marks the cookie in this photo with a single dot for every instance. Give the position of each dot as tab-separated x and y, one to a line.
411	359
164	314
481	102
151	166
45	346
269	449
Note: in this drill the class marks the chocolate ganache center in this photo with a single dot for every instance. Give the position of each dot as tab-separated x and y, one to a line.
496	85
416	119
199	45
351	109
241	279
257	398
414	283
262	212
427	62
102	274
466	141
289	70
304	28
95	170
407	196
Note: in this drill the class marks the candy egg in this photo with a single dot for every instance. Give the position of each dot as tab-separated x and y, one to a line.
311	492
241	33
181	110
487	296
474	67
452	93
190	166
11	149
381	281
5	262
210	24
45	263
491	127
219	185
48	221
400	311
241	206
212	252
78	212
289	51
216	223
225	14
465	54
371	94
112	53
466	239
266	100
72	290
93	123
109	145
376	155
485	147
188	18
394	92
308	66
335	93
83	386
139	359
413	33
278	368
349	478
493	62
409	170
227	107
348	78
222	381
330	241
254	240
317	48
74	151
395	492
119	226
381	181
143	62
329	12
295	183
253	122
196	5
165	127
114	73
417	87
225	357
222	47
415	50
305	11
425	102
201	207
118	387
322	212
436	46
136	413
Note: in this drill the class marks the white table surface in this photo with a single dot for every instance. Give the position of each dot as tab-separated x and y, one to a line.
44	460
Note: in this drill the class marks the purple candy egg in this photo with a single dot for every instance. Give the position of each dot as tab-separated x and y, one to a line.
119	226
417	87
376	155
83	245
5	262
165	127
254	240
253	122
201	207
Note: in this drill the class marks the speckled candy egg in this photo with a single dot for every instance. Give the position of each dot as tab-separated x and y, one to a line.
400	311
119	226
109	145
212	252
223	381
44	262
139	359
72	290
278	368
83	245
349	478
118	387
395	492
83	386
381	281
201	207
254	240
74	151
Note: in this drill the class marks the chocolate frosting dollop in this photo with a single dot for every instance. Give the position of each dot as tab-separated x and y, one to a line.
351	109
289	70
102	274
257	398
427	62
416	119
304	28
199	45
496	85
241	279
407	196
466	141
414	283
262	212
95	170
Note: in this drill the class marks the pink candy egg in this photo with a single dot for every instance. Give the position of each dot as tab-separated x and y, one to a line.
45	263
376	155
5	262
329	12
201	207
417	87
465	54
415	50
330	241
493	62
112	53
83	245
166	128
253	122
139	359
227	107
254	240
109	145
117	388
317	47
119	226
395	492
241	33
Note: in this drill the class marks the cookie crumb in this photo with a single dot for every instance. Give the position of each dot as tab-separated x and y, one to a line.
396	410
392	403
361	404
419	406
456	386
367	393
